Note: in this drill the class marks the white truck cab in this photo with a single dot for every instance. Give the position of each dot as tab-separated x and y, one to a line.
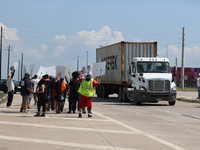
151	80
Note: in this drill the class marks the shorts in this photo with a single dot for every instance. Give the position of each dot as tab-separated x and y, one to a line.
25	98
56	98
85	101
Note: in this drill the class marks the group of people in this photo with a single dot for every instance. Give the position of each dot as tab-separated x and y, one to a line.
48	91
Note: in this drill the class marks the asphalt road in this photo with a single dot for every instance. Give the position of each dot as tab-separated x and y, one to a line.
114	125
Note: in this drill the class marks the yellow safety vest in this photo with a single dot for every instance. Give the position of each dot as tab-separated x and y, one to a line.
86	88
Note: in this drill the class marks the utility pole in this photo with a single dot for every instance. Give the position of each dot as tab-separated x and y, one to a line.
8	59
176	71
18	70
183	60
1	50
77	62
87	58
21	65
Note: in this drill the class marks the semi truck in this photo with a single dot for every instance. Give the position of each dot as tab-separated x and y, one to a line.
135	73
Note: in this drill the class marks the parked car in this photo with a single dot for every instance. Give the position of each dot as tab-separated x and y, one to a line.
4	88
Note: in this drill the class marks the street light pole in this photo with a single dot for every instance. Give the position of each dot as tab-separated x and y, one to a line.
77	62
87	58
183	60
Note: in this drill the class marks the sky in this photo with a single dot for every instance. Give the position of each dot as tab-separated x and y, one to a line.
58	32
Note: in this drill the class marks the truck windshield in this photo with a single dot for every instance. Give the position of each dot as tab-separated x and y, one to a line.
153	67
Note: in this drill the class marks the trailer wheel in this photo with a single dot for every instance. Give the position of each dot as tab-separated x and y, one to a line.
124	95
120	94
171	103
104	91
98	91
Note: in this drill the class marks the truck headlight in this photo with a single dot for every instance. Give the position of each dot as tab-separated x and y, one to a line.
142	88
174	88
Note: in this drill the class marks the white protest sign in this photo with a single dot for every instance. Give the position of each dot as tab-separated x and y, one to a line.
99	68
15	65
51	71
32	69
42	71
68	72
95	68
61	70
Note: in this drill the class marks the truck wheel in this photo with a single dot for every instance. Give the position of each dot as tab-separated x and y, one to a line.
105	91
120	94
171	103
124	95
136	102
100	90
5	91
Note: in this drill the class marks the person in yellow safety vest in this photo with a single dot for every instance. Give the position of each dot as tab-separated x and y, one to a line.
86	90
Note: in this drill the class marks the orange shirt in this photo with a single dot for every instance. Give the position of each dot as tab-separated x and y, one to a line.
63	86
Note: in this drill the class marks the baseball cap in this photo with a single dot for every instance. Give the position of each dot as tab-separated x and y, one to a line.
27	75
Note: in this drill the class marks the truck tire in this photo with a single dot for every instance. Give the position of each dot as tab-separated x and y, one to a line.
100	91
105	91
124	95
120	94
136	102
171	103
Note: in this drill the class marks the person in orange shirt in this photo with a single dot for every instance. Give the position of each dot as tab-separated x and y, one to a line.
65	90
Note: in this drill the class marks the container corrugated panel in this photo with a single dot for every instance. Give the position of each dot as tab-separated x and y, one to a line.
118	57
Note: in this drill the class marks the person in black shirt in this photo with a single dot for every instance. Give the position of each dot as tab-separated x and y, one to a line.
73	94
42	97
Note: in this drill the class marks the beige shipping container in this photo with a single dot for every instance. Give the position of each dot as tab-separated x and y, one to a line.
118	57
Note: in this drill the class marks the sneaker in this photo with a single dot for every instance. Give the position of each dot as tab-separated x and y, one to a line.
25	111
10	106
43	115
28	107
84	112
37	115
80	115
89	115
69	112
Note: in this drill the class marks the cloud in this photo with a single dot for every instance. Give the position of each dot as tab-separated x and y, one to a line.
191	54
33	54
92	38
61	37
44	47
9	34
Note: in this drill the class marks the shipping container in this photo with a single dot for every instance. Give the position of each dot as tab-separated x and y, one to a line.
118	57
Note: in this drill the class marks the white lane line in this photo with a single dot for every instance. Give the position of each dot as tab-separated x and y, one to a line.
143	133
173	113
48	117
41	141
67	128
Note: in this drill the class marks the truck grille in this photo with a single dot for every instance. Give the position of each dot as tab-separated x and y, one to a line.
159	86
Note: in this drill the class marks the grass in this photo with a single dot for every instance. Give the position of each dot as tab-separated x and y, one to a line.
187	89
1	96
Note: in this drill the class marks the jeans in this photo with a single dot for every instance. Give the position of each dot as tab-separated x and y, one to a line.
198	91
10	98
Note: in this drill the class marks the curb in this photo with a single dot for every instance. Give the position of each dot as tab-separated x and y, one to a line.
188	100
